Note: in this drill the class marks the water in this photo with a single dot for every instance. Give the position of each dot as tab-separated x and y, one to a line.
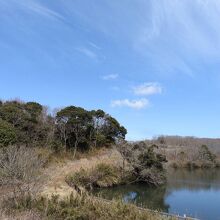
194	193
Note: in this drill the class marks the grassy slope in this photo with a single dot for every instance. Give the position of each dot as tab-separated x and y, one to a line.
56	174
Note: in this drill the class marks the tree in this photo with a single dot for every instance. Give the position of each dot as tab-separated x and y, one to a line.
34	128
206	154
79	127
146	165
13	113
113	130
28	120
106	129
34	110
19	169
7	134
72	125
98	120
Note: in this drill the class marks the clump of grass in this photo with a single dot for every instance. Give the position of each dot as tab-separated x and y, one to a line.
102	175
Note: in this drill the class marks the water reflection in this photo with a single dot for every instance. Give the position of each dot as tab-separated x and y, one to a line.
194	180
195	193
138	194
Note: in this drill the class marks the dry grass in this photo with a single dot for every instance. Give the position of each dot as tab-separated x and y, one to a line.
25	215
56	173
102	175
75	206
83	207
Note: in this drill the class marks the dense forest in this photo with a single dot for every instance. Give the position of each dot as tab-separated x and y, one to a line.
30	124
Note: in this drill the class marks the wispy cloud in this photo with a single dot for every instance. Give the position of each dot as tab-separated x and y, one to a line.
95	46
176	37
196	38
87	52
110	77
135	104
173	35
36	7
148	89
43	10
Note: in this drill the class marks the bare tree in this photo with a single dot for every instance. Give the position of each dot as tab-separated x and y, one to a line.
62	127
20	169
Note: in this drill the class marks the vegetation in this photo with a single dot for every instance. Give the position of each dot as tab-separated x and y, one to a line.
146	165
142	165
7	134
28	130
103	175
77	127
189	152
27	122
186	142
31	125
20	170
83	207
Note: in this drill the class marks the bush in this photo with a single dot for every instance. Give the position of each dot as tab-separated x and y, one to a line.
19	169
146	165
103	175
206	154
7	134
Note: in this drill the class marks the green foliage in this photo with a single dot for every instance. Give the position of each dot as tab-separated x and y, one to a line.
77	127
12	112
73	125
146	165
149	159
71	128
7	134
149	166
206	154
34	108
28	121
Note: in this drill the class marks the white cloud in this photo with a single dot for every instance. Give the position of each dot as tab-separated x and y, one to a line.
110	77
135	104
148	89
87	52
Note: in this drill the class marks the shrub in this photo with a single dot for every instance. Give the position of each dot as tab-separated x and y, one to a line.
206	154
7	134
19	169
146	165
103	175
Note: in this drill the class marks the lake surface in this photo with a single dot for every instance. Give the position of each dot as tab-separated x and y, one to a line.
194	193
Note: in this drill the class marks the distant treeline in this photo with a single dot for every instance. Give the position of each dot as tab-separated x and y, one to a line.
189	152
188	141
30	124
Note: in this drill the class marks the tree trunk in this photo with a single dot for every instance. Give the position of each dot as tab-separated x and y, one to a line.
75	148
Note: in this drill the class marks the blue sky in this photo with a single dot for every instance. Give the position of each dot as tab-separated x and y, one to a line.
154	65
